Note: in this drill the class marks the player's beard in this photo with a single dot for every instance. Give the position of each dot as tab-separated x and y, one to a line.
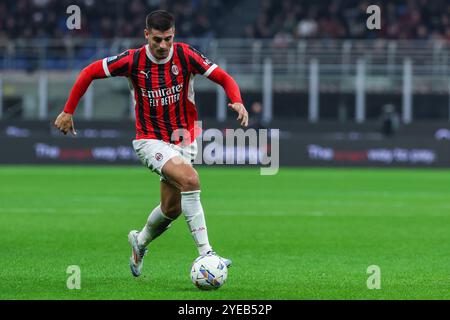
162	54
158	52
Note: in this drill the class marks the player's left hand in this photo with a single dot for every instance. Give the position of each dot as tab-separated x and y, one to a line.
243	114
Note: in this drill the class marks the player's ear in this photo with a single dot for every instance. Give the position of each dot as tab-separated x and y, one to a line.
146	34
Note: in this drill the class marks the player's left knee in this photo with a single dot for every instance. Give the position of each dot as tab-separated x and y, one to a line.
190	182
171	211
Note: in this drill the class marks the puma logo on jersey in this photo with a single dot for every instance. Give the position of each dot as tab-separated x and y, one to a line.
146	73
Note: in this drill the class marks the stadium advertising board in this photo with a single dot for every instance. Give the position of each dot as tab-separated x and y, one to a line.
292	152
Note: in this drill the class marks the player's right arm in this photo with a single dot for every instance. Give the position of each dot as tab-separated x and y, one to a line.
119	65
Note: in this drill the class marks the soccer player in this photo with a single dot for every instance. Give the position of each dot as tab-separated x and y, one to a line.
161	74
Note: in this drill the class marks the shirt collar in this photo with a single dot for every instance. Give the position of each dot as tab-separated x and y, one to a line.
154	60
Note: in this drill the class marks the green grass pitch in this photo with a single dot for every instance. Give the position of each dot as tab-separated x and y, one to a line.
301	234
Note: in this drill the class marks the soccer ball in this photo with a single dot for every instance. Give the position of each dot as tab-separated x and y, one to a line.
208	272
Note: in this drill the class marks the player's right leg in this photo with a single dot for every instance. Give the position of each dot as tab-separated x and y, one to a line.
153	154
161	217
158	221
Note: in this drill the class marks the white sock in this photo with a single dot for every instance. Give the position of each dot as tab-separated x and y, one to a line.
195	218
156	224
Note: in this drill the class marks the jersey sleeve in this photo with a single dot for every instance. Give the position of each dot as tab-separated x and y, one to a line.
199	63
118	66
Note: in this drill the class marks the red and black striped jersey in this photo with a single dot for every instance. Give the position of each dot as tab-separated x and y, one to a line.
163	89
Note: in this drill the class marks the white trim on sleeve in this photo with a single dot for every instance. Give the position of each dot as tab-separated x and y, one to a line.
210	70
105	68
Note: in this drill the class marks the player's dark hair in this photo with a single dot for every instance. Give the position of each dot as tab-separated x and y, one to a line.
160	20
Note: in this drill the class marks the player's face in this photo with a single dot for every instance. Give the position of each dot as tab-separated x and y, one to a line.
160	42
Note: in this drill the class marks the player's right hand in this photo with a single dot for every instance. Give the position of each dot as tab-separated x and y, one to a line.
64	122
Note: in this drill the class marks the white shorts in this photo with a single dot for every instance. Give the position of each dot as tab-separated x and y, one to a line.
155	153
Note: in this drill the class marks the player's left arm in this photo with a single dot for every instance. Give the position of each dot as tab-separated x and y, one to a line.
200	64
231	88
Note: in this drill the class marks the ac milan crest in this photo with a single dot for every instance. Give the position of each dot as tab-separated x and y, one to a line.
159	156
175	70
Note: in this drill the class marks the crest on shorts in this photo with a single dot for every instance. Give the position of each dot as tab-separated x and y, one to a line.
175	70
159	156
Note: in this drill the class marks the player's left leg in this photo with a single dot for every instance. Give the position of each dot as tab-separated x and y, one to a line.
185	178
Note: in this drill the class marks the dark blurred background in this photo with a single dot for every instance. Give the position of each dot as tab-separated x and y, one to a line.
290	19
309	68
